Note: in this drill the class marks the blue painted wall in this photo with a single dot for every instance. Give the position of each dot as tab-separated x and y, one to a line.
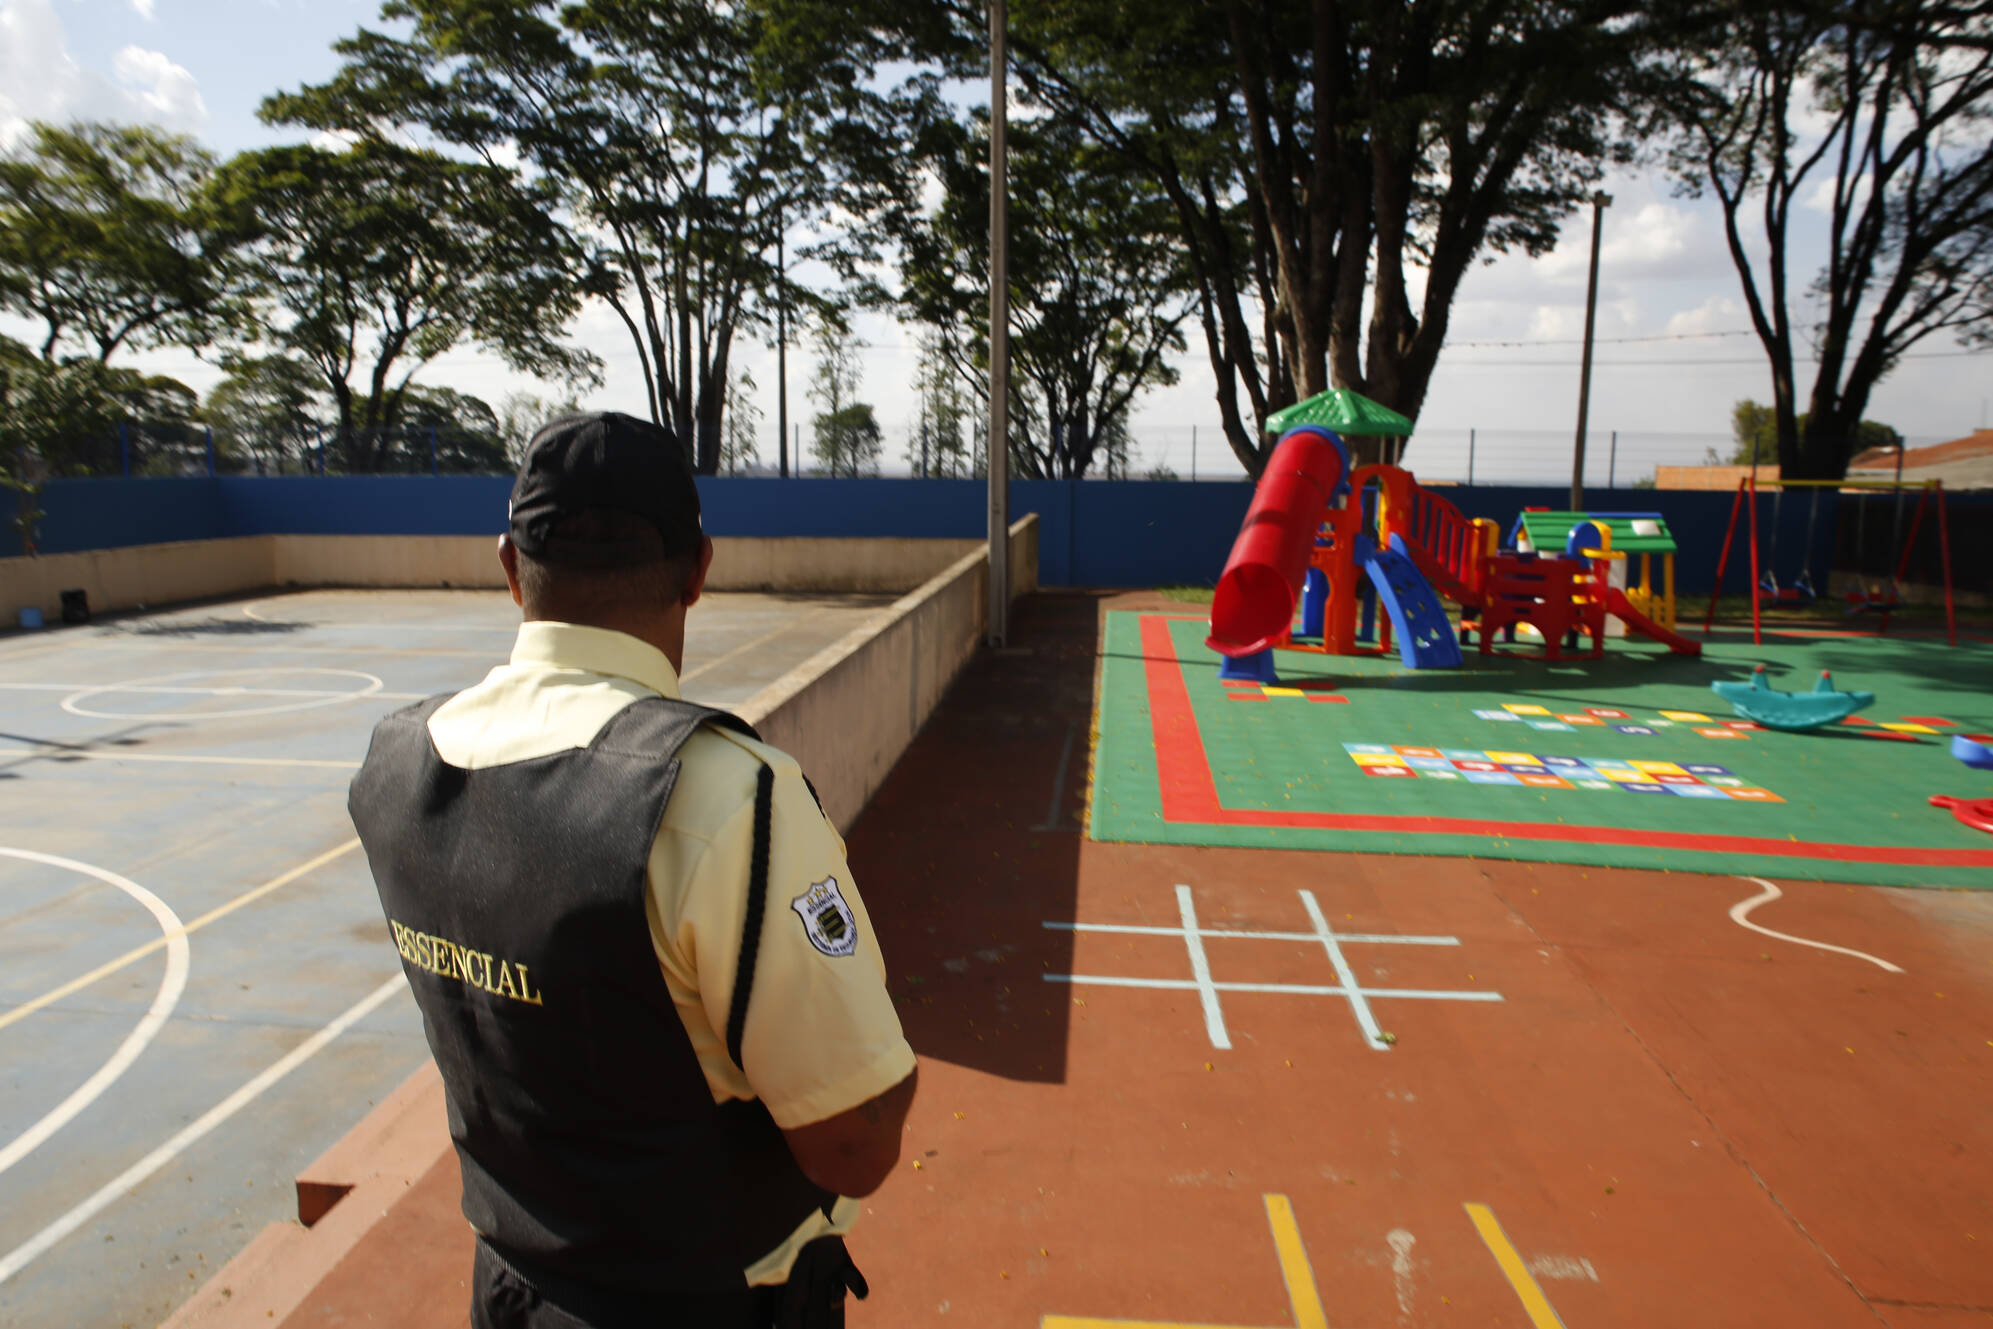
110	514
1091	534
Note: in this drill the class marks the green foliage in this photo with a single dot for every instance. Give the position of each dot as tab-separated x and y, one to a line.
104	239
266	412
940	442
845	435
520	416
1313	155
461	432
1756	430
373	261
683	137
1099	288
740	446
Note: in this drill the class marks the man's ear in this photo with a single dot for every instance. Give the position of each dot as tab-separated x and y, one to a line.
508	558
695	585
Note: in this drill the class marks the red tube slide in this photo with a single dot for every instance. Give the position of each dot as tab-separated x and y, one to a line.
1254	603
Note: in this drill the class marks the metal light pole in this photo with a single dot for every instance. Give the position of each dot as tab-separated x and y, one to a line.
781	359
998	451
1600	202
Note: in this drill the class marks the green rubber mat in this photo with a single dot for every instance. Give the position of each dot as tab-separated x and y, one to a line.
1625	761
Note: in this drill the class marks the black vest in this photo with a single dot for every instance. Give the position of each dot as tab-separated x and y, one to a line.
595	1161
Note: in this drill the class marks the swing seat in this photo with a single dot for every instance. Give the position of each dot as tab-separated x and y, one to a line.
1864	602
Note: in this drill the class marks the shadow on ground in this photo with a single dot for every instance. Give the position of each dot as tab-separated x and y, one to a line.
973	844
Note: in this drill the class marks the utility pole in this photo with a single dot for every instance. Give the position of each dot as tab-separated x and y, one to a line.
998	449
781	357
1600	202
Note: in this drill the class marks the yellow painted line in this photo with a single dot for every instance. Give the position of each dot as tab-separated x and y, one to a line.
1308	1313
1533	1301
138	953
1283	692
1301	1291
787	627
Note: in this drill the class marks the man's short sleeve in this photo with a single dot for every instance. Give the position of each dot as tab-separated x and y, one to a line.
821	1034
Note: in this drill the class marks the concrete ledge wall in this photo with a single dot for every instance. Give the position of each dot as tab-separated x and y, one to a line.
847	713
157	574
144	575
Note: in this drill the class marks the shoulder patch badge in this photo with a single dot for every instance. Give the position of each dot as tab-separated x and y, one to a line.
827	919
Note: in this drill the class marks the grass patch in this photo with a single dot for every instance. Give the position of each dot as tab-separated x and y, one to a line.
1189	595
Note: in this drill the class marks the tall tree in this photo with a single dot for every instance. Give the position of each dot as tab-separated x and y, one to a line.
266	411
373	261
936	444
685	137
1883	109
846	436
740	443
104	242
1099	289
1341	156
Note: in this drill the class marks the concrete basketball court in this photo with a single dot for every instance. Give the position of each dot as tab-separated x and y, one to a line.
197	993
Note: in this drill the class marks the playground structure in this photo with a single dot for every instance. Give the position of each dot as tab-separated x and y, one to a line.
1345	543
1802	590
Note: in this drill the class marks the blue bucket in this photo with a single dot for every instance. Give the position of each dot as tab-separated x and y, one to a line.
31	618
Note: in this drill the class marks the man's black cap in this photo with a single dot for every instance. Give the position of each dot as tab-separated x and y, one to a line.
603	459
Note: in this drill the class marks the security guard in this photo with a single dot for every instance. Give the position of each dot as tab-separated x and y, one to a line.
655	998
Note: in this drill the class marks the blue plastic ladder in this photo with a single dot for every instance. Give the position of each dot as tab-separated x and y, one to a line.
1423	627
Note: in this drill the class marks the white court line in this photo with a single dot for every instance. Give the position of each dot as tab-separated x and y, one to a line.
115	1189
1214	1014
212	692
73	704
1742	908
1368	938
1293	989
58	750
1326	935
171	984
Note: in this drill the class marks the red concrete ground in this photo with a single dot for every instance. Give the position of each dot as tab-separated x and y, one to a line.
1676	1121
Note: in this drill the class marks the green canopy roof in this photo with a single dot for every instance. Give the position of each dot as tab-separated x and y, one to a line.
1632	532
1343	411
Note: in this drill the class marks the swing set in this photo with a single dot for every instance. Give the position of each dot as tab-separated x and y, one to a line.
1867	596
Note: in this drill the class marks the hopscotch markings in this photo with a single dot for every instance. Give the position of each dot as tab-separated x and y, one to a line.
1295	1271
115	1189
1739	914
1209	989
1200	969
1534	1303
171	984
1364	1019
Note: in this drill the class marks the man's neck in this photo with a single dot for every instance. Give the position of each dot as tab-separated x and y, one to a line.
665	631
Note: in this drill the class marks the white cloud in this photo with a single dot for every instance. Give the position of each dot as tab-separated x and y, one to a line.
1719	313
166	90
40	79
143	8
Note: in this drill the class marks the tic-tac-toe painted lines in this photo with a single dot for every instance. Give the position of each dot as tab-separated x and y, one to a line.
1208	989
1492	766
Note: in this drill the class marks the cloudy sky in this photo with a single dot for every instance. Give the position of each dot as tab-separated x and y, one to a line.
1509	375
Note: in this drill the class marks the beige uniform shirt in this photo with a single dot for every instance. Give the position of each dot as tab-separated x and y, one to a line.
822	1036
